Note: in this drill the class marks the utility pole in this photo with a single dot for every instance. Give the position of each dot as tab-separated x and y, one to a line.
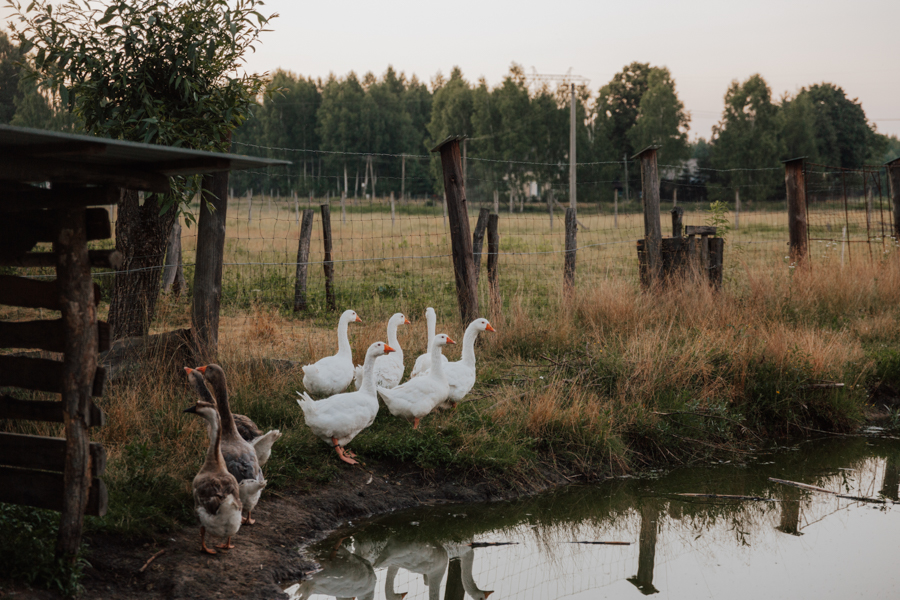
570	80
572	132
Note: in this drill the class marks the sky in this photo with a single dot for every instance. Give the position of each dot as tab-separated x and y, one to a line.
705	44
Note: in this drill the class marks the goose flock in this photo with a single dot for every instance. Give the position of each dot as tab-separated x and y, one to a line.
231	481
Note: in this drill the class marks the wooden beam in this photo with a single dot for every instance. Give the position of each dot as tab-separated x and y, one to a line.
42	489
493	236
32	198
44	453
208	270
42	374
478	240
99	259
56	149
28	169
193	166
32	293
571	249
46	411
893	169
699	230
44	334
460	236
40	226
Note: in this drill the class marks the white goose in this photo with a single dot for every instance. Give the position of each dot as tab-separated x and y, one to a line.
388	369
338	419
332	374
466	556
461	373
216	492
418	396
423	362
427	558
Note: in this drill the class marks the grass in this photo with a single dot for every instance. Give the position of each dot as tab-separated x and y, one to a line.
613	380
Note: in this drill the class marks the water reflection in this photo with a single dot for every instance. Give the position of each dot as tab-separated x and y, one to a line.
683	547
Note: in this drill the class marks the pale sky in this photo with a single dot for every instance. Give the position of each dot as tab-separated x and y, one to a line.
705	44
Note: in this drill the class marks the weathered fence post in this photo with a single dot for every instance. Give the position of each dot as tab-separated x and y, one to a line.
300	302
893	169
652	227
573	183
569	271
616	208
392	209
249	206
795	186
208	269
296	209
460	236
478	241
75	289
496	202
677	219
550	207
493	236
328	263
512	202
403	178
737	209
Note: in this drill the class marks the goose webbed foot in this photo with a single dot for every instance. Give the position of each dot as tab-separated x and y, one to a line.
203	547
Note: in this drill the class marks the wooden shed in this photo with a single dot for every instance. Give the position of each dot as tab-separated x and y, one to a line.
50	186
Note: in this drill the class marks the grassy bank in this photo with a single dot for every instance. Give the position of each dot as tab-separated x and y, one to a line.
613	381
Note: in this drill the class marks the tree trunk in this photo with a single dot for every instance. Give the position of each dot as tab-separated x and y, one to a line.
141	237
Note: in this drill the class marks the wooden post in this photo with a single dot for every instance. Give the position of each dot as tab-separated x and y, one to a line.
550	207
445	208
737	209
79	314
249	206
460	236
493	236
343	207
677	219
573	203
796	199
296	209
496	202
402	177
616	208
208	269
512	201
392	209
675	197
893	169
328	264
478	241
300	301
652	227
569	271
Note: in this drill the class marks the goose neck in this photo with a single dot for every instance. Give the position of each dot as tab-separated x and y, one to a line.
431	320
468	345
228	426
368	380
343	340
437	365
393	342
214	456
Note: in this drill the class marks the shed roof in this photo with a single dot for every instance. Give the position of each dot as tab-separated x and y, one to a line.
39	155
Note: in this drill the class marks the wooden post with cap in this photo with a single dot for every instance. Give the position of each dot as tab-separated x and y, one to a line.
460	235
650	197
893	169
795	186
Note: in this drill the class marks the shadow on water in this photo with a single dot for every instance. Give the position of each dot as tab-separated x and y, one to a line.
631	537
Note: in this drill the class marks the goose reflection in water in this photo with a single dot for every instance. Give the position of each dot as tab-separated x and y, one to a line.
349	572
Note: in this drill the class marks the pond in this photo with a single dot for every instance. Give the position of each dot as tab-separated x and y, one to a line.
630	537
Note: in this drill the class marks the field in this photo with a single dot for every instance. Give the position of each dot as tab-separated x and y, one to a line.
613	380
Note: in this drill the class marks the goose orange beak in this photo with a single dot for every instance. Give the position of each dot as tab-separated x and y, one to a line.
406	321
201	369
449	341
188	370
489	328
388	349
358	320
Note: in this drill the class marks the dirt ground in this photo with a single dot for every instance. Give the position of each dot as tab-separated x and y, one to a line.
269	555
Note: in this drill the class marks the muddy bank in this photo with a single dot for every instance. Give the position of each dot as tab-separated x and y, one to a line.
269	556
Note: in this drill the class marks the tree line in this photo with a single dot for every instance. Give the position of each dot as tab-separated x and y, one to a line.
351	134
354	132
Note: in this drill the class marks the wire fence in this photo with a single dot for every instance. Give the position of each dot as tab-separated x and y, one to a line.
392	252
